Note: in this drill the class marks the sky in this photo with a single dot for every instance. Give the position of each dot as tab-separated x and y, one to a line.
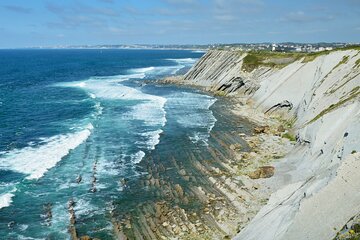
30	23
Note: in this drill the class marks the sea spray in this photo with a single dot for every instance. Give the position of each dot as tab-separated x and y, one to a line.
36	161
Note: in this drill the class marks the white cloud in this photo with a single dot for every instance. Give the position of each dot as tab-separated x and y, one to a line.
303	17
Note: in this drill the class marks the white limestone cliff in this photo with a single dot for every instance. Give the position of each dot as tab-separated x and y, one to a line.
316	188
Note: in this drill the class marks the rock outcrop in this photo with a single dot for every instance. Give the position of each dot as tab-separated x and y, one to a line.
221	71
316	188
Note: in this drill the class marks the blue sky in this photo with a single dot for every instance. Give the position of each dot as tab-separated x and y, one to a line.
25	23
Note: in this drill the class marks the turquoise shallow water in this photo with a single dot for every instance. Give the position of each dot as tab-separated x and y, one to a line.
67	115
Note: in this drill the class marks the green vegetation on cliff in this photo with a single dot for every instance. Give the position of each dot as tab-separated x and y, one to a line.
357	63
354	93
255	59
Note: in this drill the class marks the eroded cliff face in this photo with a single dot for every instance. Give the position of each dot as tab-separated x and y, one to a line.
316	188
221	71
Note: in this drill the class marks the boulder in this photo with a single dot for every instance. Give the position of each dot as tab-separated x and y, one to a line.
281	128
261	129
262	172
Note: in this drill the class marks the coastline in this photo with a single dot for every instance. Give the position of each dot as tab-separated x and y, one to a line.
200	192
243	181
316	100
273	175
267	155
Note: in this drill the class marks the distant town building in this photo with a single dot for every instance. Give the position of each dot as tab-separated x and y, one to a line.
273	47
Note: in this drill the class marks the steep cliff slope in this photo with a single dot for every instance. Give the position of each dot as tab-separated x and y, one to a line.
316	188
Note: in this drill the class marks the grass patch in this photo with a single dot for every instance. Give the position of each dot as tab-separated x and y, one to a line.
355	92
344	60
220	93
289	136
309	57
357	63
343	84
255	59
288	123
250	62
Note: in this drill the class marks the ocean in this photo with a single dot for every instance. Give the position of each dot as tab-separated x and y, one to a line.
76	125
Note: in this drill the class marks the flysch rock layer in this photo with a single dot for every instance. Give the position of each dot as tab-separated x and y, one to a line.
316	187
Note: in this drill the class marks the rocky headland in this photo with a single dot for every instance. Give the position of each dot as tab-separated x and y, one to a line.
300	176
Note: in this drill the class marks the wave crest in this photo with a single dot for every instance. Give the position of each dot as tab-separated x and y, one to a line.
36	161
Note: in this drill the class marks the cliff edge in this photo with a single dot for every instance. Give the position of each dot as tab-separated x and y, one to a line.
316	187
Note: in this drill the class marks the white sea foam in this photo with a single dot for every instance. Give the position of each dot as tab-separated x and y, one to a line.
158	71
183	61
6	193
120	78
148	108
60	218
99	109
193	112
80	84
35	161
23	227
137	157
6	200
113	89
142	70
195	103
153	139
109	79
22	237
85	208
151	112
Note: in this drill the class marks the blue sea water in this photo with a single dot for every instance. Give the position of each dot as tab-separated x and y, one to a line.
71	113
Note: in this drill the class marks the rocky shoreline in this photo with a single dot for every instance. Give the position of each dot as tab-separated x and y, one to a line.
274	161
312	100
241	181
208	194
203	194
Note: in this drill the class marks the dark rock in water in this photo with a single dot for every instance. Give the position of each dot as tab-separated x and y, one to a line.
123	183
47	213
262	172
78	179
346	134
71	203
72	216
11	224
